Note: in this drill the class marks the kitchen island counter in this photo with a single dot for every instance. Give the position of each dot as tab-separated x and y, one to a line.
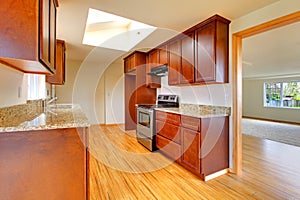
44	153
56	116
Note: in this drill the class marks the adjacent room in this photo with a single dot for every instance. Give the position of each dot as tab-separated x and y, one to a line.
271	85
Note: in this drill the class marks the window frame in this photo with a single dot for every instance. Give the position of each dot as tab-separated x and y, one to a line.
281	104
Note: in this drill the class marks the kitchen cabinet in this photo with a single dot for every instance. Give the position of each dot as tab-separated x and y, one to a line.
201	145
136	90
58	78
168	139
190	133
45	164
152	61
214	147
174	50
163	55
28	35
130	101
211	53
197	56
154	58
133	60
187	67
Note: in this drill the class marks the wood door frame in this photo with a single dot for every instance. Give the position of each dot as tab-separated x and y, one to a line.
237	80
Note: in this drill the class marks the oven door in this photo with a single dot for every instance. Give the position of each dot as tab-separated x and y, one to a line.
145	122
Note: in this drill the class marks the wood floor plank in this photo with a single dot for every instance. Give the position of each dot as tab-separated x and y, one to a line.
121	168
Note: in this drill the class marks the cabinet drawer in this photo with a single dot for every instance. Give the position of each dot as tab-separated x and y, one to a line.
168	147
191	123
168	130
168	117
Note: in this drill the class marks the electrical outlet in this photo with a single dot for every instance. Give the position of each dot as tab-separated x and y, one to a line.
226	97
19	92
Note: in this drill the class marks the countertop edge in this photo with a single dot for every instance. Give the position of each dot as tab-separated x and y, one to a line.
197	115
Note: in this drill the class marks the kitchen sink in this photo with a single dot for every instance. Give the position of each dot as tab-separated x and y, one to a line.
61	106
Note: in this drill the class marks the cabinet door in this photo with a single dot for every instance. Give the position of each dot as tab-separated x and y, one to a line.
190	145
48	33
130	101
59	77
187	59
129	64
163	55
214	147
154	58
152	61
205	53
126	65
174	63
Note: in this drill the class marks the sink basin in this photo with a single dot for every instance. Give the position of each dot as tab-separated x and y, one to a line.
61	106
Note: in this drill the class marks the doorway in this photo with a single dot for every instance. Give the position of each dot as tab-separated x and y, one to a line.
237	79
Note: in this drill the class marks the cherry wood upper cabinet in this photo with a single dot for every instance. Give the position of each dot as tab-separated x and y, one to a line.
187	59
154	58
59	77
152	61
197	56
174	50
212	51
28	35
134	60
163	55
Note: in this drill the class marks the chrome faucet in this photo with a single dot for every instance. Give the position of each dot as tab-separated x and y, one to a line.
51	100
46	103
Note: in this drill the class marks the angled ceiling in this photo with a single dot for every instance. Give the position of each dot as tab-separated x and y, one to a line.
273	54
170	16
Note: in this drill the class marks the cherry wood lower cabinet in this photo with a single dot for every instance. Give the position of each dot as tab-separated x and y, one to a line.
168	139
203	143
44	164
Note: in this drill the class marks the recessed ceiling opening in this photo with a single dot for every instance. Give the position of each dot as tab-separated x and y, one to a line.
114	32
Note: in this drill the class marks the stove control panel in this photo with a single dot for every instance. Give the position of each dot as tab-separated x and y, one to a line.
167	98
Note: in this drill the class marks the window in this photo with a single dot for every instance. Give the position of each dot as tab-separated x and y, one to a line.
36	86
282	94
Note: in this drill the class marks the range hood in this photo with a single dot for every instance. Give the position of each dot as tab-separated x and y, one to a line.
159	71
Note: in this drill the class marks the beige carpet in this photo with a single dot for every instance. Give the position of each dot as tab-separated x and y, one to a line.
280	132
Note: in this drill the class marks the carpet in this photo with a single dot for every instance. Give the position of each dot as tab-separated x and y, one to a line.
280	132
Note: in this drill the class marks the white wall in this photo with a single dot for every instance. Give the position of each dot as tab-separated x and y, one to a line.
114	94
65	92
218	94
12	82
110	96
100	99
253	105
97	88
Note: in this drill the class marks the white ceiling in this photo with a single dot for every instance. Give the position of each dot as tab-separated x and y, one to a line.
273	54
170	16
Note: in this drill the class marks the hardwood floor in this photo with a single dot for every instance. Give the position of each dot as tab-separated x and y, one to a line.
120	168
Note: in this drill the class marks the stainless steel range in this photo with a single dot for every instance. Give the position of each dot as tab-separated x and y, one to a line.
145	131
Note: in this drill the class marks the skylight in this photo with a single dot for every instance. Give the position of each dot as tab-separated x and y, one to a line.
114	32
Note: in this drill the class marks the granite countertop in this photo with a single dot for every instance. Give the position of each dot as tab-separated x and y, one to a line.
54	117
198	111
